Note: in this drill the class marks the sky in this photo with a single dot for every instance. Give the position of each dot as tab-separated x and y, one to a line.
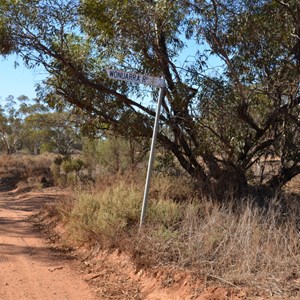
17	81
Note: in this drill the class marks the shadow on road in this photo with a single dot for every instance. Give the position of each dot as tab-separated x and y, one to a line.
17	235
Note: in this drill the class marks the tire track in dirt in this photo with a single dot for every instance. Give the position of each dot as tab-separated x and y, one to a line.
28	268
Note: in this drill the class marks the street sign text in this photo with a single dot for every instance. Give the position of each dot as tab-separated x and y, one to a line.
136	78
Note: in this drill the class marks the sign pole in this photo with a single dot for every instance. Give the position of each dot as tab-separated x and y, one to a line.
148	80
151	157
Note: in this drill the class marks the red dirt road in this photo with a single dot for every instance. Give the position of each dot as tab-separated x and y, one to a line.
28	268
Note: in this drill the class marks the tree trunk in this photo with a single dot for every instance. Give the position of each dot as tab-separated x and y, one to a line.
284	176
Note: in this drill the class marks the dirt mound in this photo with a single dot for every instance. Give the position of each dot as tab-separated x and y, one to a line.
114	276
24	171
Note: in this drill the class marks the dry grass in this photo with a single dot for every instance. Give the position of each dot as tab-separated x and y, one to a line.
249	248
26	170
237	245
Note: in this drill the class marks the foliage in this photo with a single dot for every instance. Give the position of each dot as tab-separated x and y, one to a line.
67	171
11	126
33	117
238	243
117	154
217	123
104	214
89	150
57	130
26	124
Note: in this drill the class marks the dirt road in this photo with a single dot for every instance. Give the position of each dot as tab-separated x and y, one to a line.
28	268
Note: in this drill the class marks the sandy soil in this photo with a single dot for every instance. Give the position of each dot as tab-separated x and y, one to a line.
28	268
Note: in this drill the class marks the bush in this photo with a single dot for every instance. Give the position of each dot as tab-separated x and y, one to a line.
72	165
116	208
66	170
27	169
243	245
104	215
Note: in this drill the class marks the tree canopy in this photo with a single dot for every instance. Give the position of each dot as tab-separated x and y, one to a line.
33	127
217	122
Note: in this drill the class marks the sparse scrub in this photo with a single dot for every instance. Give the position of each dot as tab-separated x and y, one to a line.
105	214
67	171
239	245
30	170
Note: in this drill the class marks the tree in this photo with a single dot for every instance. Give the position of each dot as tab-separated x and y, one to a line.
11	126
54	131
217	124
62	132
33	123
259	43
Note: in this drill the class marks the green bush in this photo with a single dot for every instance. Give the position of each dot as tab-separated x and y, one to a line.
72	165
116	209
105	214
66	170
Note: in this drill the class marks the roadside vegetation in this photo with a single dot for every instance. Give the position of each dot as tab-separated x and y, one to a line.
236	242
25	171
224	199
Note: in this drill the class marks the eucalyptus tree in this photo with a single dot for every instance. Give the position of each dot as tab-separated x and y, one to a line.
217	123
61	133
51	131
11	126
259	43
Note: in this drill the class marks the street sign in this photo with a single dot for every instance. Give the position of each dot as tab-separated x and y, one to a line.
136	78
154	81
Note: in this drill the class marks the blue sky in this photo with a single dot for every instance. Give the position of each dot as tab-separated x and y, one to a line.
17	81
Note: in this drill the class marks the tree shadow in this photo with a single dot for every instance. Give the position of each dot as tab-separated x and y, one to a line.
8	183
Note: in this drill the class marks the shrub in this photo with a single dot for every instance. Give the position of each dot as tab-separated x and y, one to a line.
104	215
28	169
66	170
72	165
240	245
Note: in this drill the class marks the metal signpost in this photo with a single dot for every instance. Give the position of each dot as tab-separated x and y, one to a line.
148	80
